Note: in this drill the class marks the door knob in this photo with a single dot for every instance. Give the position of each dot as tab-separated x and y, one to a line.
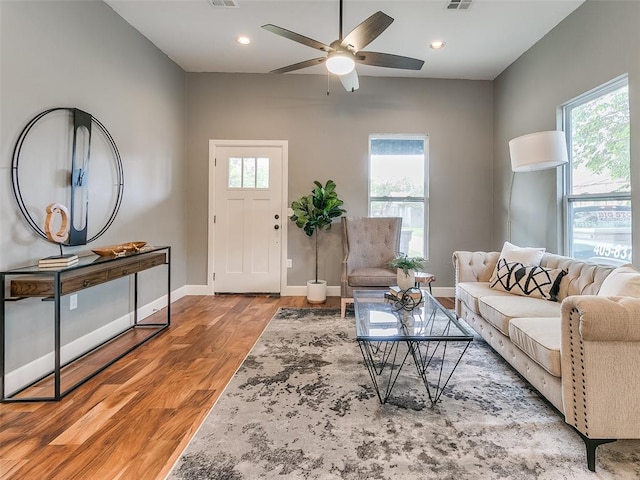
276	216
276	227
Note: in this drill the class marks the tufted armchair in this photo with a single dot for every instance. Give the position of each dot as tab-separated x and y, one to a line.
369	244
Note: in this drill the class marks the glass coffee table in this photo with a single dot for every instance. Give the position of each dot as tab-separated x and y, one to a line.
389	336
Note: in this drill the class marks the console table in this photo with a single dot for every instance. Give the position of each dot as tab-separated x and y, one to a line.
52	285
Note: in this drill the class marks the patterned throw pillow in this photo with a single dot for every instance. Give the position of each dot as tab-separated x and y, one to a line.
528	280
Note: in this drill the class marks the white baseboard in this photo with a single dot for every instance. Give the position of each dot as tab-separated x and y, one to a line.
178	293
38	368
334	291
444	291
200	290
301	291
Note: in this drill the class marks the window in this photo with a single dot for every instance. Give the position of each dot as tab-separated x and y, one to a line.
398	187
598	189
248	172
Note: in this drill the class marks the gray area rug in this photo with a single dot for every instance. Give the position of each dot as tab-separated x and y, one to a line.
302	406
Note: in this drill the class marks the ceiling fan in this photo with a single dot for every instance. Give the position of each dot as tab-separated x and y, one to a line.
345	52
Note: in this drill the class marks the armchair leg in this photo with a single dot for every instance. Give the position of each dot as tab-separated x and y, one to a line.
343	306
592	444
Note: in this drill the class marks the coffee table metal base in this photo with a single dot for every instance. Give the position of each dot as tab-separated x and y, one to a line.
391	333
428	360
381	356
435	362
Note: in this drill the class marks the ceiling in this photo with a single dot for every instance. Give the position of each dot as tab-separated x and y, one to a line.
481	41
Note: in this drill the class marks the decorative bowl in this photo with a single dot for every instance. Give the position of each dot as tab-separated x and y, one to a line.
120	249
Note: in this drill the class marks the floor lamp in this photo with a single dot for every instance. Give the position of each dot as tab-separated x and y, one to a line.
533	152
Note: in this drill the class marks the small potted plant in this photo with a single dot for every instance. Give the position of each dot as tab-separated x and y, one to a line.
313	213
406	269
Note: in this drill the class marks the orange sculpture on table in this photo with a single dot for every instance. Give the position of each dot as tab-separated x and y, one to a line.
63	232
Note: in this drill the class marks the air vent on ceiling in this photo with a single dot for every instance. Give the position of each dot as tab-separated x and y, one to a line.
458	4
224	3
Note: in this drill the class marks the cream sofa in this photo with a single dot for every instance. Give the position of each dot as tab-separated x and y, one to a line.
582	353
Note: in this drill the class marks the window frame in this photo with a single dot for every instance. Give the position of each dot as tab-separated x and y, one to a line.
565	111
409	199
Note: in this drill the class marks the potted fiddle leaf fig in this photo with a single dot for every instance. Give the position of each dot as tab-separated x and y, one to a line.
406	269
313	213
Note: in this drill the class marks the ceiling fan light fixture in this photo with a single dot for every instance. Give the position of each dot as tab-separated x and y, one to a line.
340	64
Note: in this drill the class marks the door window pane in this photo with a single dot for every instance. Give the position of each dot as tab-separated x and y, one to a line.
262	173
248	172
235	172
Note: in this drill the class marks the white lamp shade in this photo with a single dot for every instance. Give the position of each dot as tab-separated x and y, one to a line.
538	151
340	64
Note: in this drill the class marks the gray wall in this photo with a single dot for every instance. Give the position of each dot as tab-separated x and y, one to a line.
81	54
596	43
328	139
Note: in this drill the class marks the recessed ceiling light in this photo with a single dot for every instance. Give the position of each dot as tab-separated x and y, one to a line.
242	40
437	45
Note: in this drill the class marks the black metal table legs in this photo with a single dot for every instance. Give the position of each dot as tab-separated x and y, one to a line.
435	363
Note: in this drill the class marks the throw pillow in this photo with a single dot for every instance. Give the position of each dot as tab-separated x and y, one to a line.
624	281
528	280
514	254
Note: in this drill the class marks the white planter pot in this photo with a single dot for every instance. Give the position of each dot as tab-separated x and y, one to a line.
316	292
405	282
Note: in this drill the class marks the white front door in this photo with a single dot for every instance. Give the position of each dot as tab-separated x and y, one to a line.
248	218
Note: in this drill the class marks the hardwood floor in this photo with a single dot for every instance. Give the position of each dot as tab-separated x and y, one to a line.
133	420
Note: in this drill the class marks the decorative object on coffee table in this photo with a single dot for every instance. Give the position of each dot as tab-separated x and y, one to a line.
406	268
313	213
405	300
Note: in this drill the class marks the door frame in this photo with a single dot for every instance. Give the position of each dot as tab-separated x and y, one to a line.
213	146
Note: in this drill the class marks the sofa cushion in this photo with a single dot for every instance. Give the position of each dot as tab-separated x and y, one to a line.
499	310
512	253
528	280
373	277
624	281
540	339
470	292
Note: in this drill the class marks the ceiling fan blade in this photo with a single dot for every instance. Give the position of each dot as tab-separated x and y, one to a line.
389	60
296	37
298	66
350	81
367	31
